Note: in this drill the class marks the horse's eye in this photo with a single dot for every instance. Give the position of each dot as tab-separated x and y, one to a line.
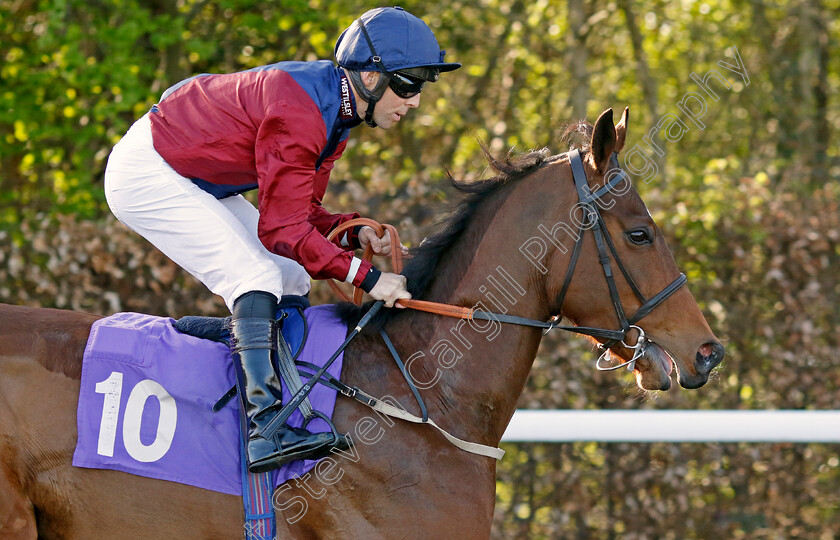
639	237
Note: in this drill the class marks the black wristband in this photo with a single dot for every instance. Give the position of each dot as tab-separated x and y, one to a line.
370	279
353	237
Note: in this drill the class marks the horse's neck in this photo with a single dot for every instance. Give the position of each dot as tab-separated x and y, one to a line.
480	367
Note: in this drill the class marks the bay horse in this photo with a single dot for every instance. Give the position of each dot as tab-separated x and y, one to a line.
502	250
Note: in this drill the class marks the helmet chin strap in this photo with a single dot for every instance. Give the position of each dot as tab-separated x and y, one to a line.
369	114
371	96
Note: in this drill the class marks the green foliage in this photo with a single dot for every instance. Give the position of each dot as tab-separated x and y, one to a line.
76	74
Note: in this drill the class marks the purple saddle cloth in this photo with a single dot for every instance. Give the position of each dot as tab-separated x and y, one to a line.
146	396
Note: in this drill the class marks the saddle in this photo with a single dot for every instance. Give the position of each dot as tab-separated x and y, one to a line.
216	328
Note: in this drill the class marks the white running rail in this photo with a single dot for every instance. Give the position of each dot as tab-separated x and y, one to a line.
674	426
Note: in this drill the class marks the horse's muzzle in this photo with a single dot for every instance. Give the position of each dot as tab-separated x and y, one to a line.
708	356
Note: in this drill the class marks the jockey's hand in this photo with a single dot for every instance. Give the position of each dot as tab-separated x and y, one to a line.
390	288
381	246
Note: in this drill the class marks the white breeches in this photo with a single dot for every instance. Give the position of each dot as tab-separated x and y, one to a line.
215	240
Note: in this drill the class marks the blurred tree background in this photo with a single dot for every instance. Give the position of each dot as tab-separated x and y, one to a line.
749	204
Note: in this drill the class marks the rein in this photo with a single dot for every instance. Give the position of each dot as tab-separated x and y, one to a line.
450	310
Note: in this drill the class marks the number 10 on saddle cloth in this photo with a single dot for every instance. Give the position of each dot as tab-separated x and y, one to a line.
147	392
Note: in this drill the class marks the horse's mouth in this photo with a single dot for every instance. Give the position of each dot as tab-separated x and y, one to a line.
653	369
663	356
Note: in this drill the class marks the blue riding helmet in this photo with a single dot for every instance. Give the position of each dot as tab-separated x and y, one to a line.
398	45
399	38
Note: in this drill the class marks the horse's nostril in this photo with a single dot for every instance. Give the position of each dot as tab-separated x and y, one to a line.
718	353
709	355
706	350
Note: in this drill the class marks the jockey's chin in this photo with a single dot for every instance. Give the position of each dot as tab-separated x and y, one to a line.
391	108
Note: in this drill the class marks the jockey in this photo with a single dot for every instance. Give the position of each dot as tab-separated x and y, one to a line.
177	176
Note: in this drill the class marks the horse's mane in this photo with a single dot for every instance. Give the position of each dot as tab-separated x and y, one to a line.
422	264
420	268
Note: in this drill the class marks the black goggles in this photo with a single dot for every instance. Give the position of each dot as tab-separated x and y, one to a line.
405	86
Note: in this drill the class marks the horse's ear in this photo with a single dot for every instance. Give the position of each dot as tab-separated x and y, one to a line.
603	140
621	131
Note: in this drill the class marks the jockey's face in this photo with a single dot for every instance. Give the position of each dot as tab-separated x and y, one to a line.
391	108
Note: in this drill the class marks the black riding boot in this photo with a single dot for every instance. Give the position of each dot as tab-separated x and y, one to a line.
252	332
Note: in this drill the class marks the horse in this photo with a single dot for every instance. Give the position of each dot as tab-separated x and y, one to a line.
508	247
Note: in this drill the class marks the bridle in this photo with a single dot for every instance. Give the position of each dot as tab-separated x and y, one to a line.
593	220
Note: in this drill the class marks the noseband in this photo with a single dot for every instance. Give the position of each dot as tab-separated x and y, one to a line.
593	220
